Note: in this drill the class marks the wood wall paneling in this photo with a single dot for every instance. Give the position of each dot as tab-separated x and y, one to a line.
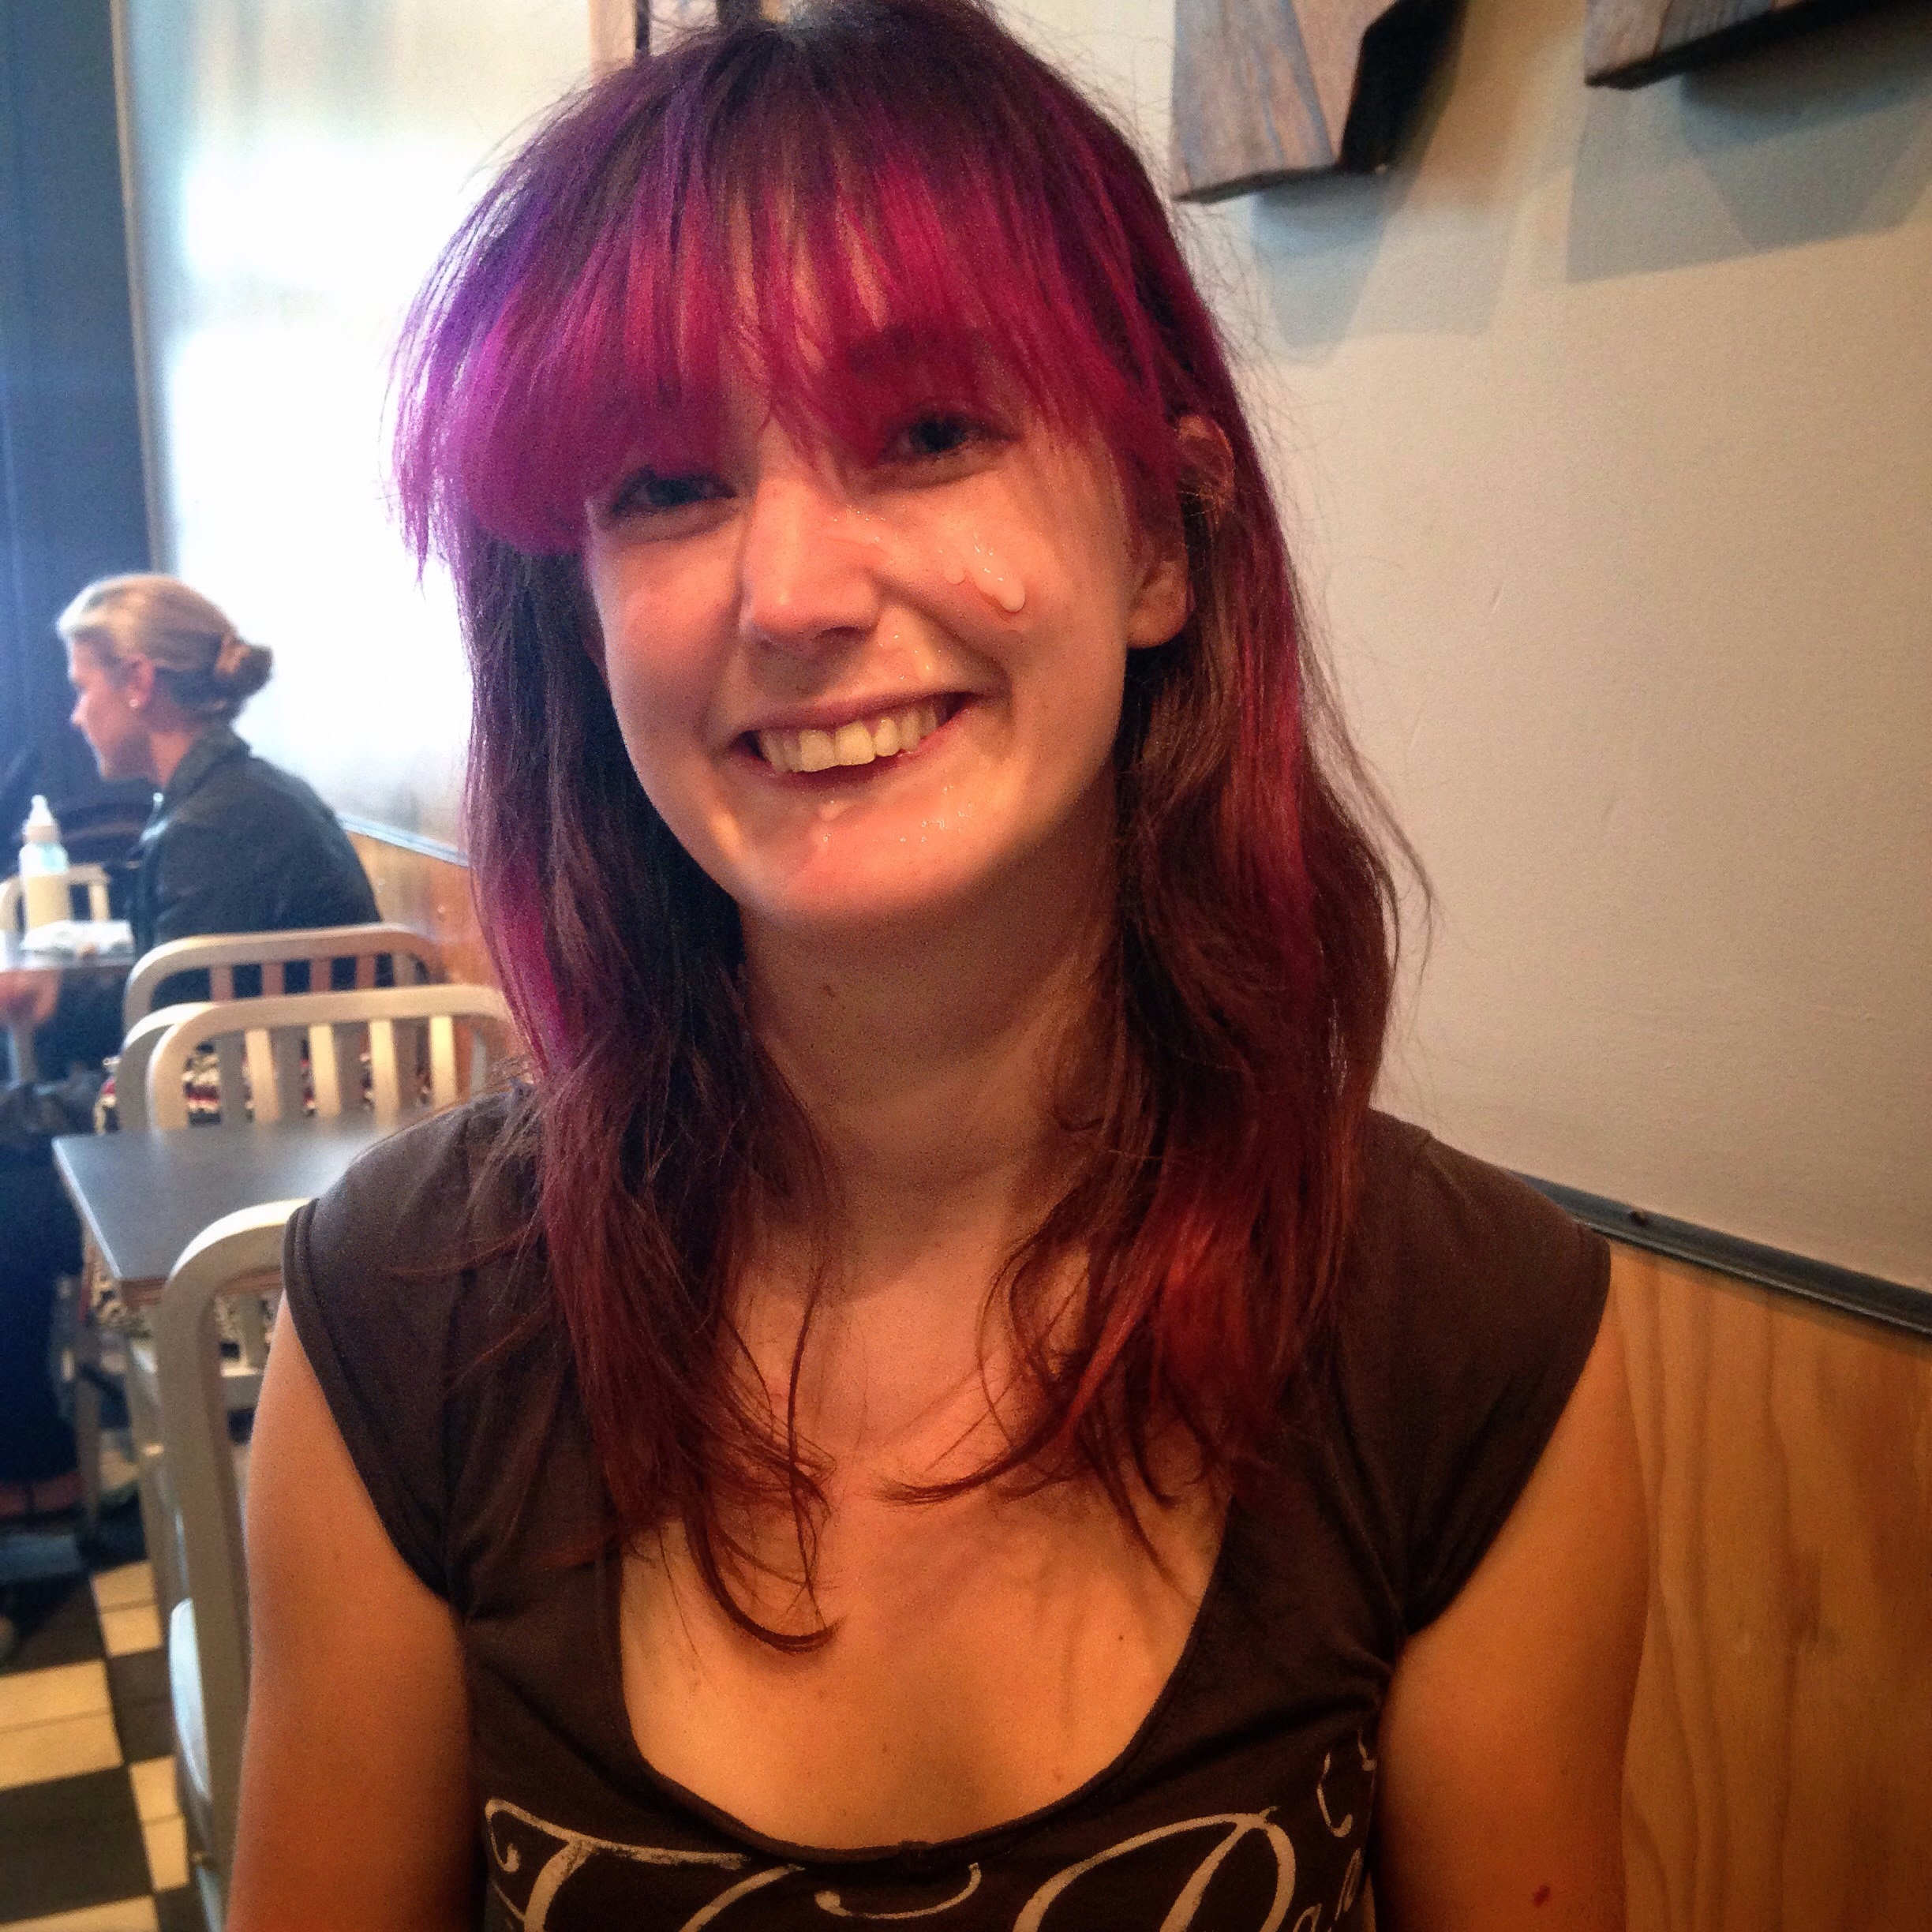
1780	1772
430	895
1264	90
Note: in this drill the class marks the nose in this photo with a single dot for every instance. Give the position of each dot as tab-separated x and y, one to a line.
807	580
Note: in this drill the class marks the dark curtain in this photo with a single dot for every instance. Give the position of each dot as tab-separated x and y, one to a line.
72	506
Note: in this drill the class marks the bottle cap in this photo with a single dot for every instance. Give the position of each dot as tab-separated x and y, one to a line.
41	826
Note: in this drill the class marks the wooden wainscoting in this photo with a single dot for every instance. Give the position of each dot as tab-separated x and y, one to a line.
429	895
1779	1774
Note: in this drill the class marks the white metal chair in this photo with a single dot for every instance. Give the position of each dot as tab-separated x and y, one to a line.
415	1051
237	1258
414	960
13	896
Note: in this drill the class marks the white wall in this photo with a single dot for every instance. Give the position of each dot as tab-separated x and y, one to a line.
296	168
1605	421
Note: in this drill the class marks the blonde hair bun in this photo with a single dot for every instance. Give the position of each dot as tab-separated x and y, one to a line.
241	669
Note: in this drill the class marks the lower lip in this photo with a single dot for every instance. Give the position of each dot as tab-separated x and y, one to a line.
833	777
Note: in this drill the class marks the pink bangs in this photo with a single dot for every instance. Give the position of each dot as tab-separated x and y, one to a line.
854	225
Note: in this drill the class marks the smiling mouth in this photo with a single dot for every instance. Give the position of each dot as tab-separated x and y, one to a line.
862	741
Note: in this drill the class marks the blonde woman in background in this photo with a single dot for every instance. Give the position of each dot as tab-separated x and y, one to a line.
234	845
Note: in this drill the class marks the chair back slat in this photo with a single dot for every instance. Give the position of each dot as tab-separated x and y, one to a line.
221	983
385	1081
264	1088
286	1045
229	1082
364	972
325	1072
349	1044
98	905
330	1027
443	1087
272	981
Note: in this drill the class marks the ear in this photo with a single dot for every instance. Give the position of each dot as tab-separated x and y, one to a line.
1165	598
136	677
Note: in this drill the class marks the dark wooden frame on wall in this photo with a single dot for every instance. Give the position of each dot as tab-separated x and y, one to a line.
1628	43
1266	90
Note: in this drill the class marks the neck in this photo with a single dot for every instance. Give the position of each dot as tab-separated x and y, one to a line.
167	745
927	1058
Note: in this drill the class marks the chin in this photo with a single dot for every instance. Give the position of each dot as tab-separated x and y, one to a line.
881	903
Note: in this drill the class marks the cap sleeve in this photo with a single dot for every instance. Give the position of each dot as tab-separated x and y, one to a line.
1478	1307
374	1279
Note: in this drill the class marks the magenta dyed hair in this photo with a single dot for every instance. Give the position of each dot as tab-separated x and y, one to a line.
903	163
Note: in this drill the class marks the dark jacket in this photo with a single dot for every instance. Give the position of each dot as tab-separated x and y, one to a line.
234	845
237	844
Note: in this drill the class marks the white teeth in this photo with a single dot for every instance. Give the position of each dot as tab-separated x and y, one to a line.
852	744
858	743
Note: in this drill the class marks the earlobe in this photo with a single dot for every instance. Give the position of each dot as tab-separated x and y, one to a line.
1166	599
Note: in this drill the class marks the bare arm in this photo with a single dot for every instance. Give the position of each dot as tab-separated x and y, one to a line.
1502	1743
356	1805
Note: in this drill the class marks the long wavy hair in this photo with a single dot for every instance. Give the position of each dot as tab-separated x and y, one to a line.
910	162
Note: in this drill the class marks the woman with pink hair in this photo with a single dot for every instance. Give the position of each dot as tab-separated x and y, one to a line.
940	1399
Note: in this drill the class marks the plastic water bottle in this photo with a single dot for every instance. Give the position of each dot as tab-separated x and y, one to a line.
43	867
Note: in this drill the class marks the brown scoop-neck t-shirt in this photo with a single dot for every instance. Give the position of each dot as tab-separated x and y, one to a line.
1244	1803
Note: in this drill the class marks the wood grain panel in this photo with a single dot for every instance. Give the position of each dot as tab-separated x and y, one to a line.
1266	89
1630	43
1780	1772
429	895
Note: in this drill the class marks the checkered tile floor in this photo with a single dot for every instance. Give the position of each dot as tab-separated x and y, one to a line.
91	1836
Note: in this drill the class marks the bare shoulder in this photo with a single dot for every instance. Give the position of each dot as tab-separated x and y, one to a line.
356	1729
1502	1750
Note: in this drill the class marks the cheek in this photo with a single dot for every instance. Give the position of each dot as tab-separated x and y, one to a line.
659	719
659	662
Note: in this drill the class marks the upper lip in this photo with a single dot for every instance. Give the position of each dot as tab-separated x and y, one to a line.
827	714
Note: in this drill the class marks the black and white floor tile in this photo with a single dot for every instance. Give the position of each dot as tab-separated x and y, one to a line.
90	1834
